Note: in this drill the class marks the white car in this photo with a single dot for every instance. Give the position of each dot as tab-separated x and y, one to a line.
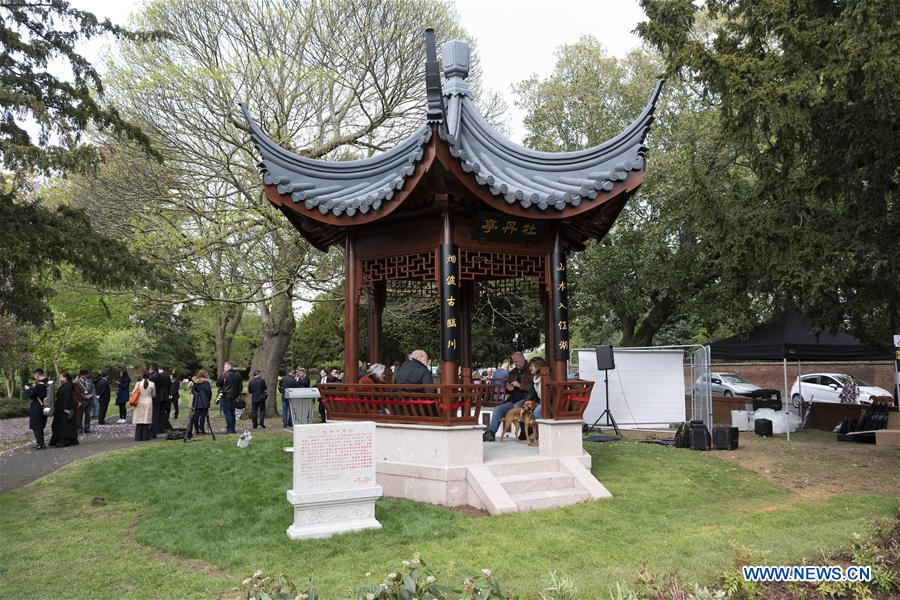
727	384
826	387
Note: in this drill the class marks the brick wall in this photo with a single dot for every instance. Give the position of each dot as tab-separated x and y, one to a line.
771	374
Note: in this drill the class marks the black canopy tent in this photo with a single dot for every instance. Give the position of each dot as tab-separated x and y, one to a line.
791	338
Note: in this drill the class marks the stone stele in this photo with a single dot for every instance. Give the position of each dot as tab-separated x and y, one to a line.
334	480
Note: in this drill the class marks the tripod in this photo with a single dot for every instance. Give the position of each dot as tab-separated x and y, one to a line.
610	419
192	420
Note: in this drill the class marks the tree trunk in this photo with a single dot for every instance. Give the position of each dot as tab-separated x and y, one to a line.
226	326
278	327
643	334
9	383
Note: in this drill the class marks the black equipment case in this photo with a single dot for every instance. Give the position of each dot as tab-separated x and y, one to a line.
763	427
725	438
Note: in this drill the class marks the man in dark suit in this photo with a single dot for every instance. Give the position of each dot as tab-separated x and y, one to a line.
231	385
37	393
288	381
101	388
154	378
258	397
303	382
165	402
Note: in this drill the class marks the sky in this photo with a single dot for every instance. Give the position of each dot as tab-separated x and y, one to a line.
515	38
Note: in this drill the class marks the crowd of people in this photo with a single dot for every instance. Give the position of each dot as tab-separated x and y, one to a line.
78	399
155	396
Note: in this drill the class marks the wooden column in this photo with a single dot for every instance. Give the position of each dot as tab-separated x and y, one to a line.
377	298
558	353
448	271
466	307
351	310
549	338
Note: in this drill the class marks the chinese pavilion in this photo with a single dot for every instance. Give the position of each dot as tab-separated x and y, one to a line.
454	204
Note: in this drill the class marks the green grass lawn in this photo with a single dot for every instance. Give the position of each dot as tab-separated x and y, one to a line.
194	520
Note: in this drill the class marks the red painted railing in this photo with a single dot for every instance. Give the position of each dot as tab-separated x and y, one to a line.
569	398
441	404
438	404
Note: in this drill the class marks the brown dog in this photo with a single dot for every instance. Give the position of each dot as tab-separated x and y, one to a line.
531	426
519	418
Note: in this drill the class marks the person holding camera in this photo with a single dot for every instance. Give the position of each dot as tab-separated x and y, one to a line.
230	386
37	420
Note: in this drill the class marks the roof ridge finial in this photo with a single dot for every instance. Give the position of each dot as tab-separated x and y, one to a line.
456	54
433	80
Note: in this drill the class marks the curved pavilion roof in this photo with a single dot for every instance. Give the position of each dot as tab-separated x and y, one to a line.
506	176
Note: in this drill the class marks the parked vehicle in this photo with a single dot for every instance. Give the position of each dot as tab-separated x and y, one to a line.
826	387
727	384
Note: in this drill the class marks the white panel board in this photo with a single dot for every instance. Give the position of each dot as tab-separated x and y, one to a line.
645	389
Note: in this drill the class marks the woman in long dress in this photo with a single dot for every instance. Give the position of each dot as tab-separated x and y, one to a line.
64	431
142	416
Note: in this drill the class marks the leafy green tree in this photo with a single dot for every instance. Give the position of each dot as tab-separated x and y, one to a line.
319	338
662	262
333	79
14	346
81	317
35	34
124	347
807	92
36	241
172	337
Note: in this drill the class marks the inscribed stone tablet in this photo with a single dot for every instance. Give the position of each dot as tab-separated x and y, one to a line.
334	456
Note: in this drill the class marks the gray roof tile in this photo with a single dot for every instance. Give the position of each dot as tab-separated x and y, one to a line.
532	179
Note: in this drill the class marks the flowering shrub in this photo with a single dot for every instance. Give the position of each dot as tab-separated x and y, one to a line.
413	580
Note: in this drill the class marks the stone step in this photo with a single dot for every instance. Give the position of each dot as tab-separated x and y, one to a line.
536	482
548	499
523	467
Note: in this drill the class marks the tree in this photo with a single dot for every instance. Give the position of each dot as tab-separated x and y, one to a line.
319	339
34	240
34	34
38	244
14	346
81	318
807	92
124	347
332	79
663	261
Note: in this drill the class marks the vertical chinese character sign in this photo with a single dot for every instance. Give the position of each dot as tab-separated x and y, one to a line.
449	302
560	296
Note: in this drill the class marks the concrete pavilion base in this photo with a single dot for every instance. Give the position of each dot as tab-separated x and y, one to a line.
427	463
451	466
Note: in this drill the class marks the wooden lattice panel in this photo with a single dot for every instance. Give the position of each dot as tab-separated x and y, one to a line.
481	264
405	267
